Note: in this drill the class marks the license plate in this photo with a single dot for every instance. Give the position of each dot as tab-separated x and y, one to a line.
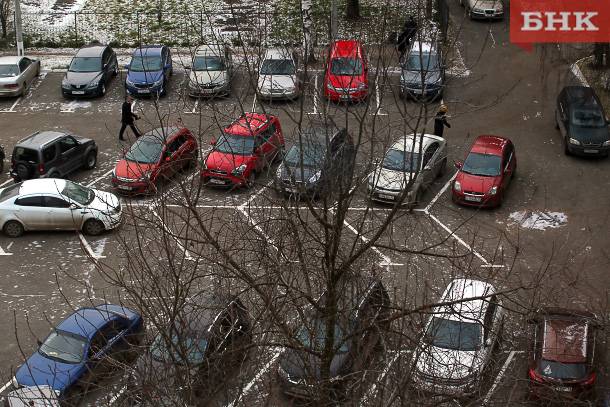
591	151
78	92
217	181
384	196
561	388
125	187
143	90
472	198
345	97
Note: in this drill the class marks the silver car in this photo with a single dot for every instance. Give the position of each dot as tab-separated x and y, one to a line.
57	204
409	166
484	9
17	74
458	340
35	396
211	71
278	75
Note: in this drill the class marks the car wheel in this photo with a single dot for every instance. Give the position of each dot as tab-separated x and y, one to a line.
23	172
93	227
103	89
115	72
13	229
556	122
251	180
566	147
91	160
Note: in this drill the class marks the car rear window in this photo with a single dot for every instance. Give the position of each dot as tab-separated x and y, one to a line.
565	341
25	154
9	192
563	371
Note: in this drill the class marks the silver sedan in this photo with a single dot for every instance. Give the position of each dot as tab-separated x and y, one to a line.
17	74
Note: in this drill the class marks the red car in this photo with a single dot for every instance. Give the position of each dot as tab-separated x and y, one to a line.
484	176
244	148
562	363
346	78
155	156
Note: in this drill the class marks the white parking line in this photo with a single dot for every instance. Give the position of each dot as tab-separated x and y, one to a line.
3	253
116	396
254	103
377	111
88	248
5	182
315	96
386	261
441	192
252	382
499	377
95	181
5	387
379	380
187	253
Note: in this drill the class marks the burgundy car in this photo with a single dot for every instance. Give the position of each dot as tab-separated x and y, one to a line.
484	176
562	363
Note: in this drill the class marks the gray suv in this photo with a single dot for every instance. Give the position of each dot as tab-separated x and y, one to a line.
423	71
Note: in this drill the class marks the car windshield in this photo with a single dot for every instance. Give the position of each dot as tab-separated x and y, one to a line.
313	337
7	71
346	66
232	144
146	150
78	193
9	192
563	371
182	349
424	61
455	335
588	118
313	155
277	67
208	63
141	63
86	64
63	346
25	154
486	165
397	160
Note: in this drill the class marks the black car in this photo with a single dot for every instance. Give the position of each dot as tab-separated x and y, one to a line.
321	162
52	154
581	119
362	317
423	72
90	71
208	335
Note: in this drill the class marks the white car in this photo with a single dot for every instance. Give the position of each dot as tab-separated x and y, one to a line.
38	396
409	166
211	72
459	338
484	9
278	75
57	204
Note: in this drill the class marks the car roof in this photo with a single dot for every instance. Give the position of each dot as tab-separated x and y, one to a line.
423	46
565	339
470	310
94	49
201	311
346	48
149	50
42	186
582	97
248	124
489	144
40	138
160	134
10	60
86	321
278	53
408	144
210	49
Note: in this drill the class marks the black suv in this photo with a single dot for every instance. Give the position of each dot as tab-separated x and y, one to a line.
580	118
320	163
90	71
51	154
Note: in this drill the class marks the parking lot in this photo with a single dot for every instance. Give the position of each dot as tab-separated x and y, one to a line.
561	261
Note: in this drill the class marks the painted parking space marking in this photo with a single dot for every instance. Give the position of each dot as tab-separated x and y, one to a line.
6	182
88	250
256	377
377	111
498	379
5	253
315	97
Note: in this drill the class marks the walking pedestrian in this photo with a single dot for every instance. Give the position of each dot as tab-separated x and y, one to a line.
440	121
127	118
406	36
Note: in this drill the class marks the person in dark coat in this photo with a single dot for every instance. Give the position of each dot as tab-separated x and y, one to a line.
127	118
440	121
406	36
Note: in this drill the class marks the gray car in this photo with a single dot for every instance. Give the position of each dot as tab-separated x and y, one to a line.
90	71
211	72
484	9
278	75
423	71
17	74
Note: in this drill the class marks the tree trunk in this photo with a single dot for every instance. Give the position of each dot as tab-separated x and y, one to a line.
308	54
352	10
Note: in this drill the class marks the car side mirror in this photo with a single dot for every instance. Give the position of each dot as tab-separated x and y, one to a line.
127	66
213	142
105	66
74	206
167	66
532	321
38	342
458	164
168	158
427	168
488	342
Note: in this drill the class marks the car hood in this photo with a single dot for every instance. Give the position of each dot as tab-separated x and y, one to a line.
389	179
346	81
207	77
295	174
487	4
82	78
303	366
39	370
226	162
104	202
476	183
145	77
415	77
276	81
590	134
132	170
447	363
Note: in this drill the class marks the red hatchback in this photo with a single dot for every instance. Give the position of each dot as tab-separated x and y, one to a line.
562	364
244	148
346	77
483	178
154	157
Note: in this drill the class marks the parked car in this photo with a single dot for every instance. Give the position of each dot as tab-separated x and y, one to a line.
81	349
2	157
484	9
346	78
582	122
90	71
459	339
423	71
212	71
149	71
562	363
243	149
154	157
209	335
364	308
57	204
35	396
484	177
17	74
53	154
409	166
320	163
278	75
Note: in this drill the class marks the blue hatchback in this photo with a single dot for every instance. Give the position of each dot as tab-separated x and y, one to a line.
149	70
80	348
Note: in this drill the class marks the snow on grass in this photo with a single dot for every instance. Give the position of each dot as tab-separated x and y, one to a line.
538	220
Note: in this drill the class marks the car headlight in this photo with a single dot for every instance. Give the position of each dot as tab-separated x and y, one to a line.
606	143
93	84
574	141
239	170
477	10
362	86
64	83
493	190
329	86
14	382
157	83
145	177
220	83
457	186
127	81
315	177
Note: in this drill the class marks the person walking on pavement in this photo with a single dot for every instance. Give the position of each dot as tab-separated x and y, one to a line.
440	121
127	118
406	36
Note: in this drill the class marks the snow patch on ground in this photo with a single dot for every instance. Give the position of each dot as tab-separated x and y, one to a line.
539	220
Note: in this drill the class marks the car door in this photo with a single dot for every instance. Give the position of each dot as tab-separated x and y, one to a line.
562	115
61	215
116	344
270	143
508	164
177	151
491	323
32	213
429	165
69	154
25	72
96	363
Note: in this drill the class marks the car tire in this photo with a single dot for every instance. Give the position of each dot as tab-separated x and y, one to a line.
91	160
251	180
93	227
556	122
13	229
23	172
103	89
566	148
115	72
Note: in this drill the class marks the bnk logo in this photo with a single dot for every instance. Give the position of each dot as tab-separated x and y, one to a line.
557	21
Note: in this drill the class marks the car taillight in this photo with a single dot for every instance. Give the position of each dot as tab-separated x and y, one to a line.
41	168
11	86
535	376
590	381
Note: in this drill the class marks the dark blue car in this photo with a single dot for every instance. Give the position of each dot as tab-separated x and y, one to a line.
149	71
80	348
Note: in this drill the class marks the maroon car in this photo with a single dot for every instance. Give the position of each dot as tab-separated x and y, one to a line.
562	363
